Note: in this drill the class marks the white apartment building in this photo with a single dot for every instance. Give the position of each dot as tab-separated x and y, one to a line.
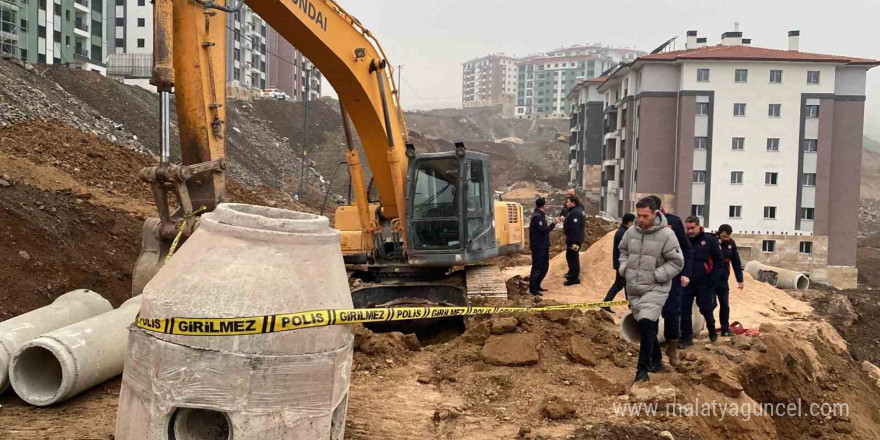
766	140
488	81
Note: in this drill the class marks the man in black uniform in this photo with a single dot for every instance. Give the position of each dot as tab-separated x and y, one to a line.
722	290
672	308
619	281
539	243
707	255
575	231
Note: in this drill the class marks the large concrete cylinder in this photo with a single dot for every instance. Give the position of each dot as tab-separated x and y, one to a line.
67	309
778	277
629	327
242	261
60	364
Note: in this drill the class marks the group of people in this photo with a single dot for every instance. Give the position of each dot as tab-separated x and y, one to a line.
574	222
663	264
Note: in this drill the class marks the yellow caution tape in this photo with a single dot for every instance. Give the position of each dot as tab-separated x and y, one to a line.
256	325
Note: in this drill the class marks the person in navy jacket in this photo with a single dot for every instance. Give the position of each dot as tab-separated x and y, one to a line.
539	243
706	256
722	290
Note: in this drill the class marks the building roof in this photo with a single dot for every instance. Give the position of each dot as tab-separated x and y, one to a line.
752	53
597	80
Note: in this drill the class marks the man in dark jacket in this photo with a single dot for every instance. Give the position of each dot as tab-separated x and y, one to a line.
575	232
619	281
722	290
707	255
672	308
539	243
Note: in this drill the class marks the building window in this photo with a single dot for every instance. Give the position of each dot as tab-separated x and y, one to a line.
811	145
741	75
41	32
700	143
775	76
768	245
702	75
808	213
812	77
141	42
812	111
120	42
769	212
772	144
120	2
808	179
739	143
771	178
699	177
775	110
739	109
698	210
735	211
736	177
56	8
806	247
120	21
702	109
42	4
142	2
142	22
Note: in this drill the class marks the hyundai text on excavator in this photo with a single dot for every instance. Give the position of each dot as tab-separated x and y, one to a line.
435	212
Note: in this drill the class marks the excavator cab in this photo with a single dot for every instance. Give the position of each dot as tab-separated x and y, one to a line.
450	209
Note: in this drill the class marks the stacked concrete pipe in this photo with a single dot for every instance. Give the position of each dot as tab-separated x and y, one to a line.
629	327
242	261
778	277
60	364
67	309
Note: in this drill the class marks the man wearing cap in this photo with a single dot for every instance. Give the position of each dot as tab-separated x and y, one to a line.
539	243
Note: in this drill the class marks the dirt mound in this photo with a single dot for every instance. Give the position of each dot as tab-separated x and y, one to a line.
483	124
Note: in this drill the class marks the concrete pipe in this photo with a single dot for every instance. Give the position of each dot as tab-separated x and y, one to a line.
778	277
67	309
629	327
60	364
243	260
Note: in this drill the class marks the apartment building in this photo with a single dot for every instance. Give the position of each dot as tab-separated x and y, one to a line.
544	81
66	32
749	136
287	69
488	81
586	106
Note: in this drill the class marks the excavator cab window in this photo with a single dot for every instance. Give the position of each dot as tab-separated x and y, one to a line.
436	220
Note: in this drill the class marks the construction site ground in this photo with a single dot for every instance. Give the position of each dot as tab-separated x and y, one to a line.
71	218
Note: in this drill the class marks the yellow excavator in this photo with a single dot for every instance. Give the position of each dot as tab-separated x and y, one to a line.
435	212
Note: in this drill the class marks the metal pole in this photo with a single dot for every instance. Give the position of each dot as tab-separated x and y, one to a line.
302	166
399	84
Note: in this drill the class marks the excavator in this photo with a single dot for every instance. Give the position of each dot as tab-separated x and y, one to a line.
435	219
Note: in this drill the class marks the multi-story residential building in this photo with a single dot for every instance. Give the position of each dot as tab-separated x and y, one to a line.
257	57
753	137
66	32
287	69
544	81
586	106
488	81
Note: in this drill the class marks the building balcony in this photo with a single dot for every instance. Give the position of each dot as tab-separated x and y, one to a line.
81	6
610	162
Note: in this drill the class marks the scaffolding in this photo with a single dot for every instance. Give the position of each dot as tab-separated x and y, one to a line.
10	31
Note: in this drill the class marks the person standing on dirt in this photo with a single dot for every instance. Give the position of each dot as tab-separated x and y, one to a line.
619	281
574	227
672	309
563	213
707	255
722	289
650	258
539	243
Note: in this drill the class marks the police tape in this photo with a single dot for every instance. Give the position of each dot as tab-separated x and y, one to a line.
256	325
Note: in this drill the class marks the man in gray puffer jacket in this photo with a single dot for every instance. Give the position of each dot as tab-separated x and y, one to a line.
649	258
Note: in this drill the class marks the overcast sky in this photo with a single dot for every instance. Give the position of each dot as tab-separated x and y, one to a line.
432	38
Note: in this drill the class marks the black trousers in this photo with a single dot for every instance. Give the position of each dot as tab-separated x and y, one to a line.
619	284
722	292
649	348
703	292
672	311
572	257
540	265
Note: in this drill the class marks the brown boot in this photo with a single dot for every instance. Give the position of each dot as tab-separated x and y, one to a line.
672	353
